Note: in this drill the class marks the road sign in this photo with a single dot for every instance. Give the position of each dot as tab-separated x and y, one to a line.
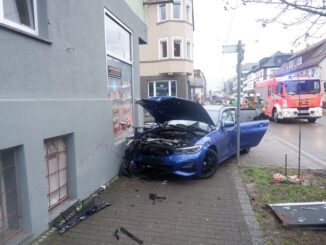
233	48
230	48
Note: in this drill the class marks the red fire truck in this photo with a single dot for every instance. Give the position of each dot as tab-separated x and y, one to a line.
291	97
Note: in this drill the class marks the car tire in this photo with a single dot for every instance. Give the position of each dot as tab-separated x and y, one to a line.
245	151
210	164
312	120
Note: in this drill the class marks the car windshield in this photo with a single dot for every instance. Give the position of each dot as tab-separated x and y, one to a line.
214	114
302	87
189	124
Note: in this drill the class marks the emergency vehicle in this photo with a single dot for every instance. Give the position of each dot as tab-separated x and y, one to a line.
291	98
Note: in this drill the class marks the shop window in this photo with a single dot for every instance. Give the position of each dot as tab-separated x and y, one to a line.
162	88
20	14
118	39
163	53
176	10
177	48
10	216
57	170
162	12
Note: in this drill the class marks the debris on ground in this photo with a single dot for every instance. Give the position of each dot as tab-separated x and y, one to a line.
304	214
116	234
164	182
80	211
101	190
133	237
294	179
154	197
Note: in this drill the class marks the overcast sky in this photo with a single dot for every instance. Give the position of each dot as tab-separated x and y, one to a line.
215	27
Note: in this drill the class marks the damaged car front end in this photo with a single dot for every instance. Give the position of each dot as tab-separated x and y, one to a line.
172	148
186	139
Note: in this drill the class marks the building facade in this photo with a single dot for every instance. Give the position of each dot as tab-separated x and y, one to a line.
69	74
167	60
265	69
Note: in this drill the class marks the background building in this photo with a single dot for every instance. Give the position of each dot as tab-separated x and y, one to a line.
69	73
167	60
265	69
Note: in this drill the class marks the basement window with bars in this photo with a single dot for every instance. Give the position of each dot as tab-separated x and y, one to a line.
57	170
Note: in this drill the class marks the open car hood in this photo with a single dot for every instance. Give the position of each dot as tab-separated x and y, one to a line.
164	109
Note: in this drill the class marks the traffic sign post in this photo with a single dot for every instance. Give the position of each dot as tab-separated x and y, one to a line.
239	49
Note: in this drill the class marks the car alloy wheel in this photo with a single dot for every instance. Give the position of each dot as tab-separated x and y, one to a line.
209	165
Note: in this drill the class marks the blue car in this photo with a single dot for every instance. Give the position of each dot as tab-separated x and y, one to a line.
191	140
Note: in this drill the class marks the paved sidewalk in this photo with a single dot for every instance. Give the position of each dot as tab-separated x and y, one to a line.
212	211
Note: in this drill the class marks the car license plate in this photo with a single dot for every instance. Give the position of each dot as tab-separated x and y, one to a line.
304	111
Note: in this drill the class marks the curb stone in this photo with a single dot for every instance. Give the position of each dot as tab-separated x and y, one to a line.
249	215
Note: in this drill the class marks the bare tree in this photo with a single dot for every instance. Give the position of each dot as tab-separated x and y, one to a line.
309	13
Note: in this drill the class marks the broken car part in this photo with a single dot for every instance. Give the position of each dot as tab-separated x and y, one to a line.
82	211
154	197
304	214
116	234
133	237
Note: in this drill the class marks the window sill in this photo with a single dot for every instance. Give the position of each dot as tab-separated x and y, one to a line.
162	21
21	32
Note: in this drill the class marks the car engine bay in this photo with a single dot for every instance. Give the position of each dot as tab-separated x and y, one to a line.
163	140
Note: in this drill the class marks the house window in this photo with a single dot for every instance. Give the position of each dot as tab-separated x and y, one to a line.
177	47
162	88
20	14
57	170
189	13
163	53
176	10
189	50
10	216
162	12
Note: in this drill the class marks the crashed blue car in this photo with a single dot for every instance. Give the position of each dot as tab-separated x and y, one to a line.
191	140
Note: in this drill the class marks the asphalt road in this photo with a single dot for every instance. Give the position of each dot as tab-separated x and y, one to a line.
313	135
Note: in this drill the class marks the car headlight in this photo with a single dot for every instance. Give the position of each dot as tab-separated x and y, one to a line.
188	150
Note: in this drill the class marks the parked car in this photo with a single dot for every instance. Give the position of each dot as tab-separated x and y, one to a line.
191	140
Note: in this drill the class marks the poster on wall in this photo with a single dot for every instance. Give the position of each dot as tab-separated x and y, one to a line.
119	88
